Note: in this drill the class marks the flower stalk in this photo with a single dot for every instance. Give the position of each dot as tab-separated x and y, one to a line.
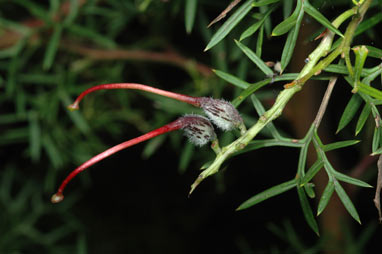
198	129
222	113
180	97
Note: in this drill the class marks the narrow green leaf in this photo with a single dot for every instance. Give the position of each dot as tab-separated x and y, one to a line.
93	35
309	190
307	210
346	201
259	42
152	146
368	23
376	138
378	151
325	197
374	52
16	26
185	157
271	192
351	180
342	69
302	160
362	118
54	6
360	58
253	28
308	8
287	8
39	78
13	50
267	22
206	165
52	151
73	12
264	2
82	244
312	171
286	76
284	26
291	42
374	73
288	23
339	144
260	111
349	112
190	11
12	118
254	58
52	47
14	135
232	79
257	144
34	136
258	105
375	93
250	90
231	22
75	116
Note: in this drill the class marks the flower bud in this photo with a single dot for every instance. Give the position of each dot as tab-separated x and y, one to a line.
222	113
198	129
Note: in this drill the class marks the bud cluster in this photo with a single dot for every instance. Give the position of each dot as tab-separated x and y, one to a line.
198	129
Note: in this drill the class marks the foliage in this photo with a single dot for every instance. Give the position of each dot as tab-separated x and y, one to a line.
64	47
314	66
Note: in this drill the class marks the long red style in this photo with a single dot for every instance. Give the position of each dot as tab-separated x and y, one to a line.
180	97
177	124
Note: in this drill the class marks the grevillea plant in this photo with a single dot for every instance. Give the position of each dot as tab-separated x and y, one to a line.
319	61
333	57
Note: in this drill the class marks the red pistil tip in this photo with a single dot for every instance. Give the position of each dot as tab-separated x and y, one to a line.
73	107
57	198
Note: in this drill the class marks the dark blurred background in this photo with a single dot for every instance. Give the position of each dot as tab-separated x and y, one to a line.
136	201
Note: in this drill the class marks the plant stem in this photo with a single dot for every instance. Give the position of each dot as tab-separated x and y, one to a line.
324	103
377	197
290	90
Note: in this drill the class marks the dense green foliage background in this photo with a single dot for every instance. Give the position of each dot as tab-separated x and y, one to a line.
136	201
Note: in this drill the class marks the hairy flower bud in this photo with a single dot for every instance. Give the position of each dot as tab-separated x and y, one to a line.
222	113
198	129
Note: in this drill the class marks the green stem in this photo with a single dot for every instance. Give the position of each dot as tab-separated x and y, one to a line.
282	99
